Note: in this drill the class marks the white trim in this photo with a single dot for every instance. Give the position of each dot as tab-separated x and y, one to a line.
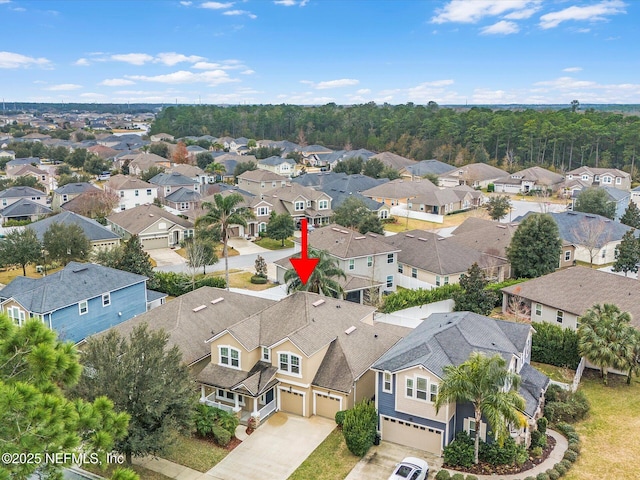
108	298
289	363
390	389
80	312
325	394
230	357
292	382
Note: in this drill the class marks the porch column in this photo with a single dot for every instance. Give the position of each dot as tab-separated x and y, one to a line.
255	407
235	397
202	395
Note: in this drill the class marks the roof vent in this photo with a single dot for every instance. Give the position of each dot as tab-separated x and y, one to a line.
422	239
409	235
151	214
201	307
317	303
78	270
501	226
217	300
360	238
373	235
350	330
344	231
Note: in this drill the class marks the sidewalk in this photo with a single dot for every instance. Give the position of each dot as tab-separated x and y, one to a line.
170	469
555	456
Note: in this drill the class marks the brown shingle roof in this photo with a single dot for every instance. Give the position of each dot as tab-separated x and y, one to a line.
400	189
345	243
139	218
484	235
394	161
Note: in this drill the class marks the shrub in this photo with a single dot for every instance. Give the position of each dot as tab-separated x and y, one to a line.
340	417
457	476
227	420
491	188
406	298
542	425
204	419
460	452
443	475
221	436
575	447
538	439
560	469
570	456
530	478
565	406
555	345
471	477
506	455
553	474
176	284
542	476
359	427
258	280
536	452
566	464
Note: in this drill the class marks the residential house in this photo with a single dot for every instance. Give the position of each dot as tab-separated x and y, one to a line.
131	191
279	165
635	196
194	172
11	195
24	210
184	200
159	137
399	191
619	197
365	257
611	177
313	153
67	192
391	160
444	201
10	154
351	186
155	227
305	355
427	260
319	179
529	180
168	183
302	202
476	175
99	236
142	162
21	162
230	162
106	153
260	181
80	300
408	377
42	176
189	327
423	168
193	151
564	295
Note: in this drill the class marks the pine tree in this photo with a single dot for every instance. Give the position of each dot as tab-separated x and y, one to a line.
474	297
627	254
631	216
134	259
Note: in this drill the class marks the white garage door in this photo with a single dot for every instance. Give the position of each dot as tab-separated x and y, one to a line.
151	243
411	435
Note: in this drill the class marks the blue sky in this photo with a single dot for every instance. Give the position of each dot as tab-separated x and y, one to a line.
319	51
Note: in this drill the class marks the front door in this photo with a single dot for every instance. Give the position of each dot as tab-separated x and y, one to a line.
176	237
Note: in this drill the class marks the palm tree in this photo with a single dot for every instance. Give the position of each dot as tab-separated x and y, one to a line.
490	387
321	280
630	353
224	212
216	168
602	336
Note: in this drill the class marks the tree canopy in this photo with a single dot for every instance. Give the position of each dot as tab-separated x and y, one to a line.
354	213
631	216
596	201
535	247
323	279
280	227
474	297
20	247
627	254
498	206
66	242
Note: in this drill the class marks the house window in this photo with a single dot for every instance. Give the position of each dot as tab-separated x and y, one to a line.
585	177
538	309
596	178
148	191
433	392
323	204
230	357
289	363
409	389
299	206
414	273
83	307
446	280
389	281
559	316
618	180
167	189
121	193
262	185
184	205
369	261
273	184
123	207
400	268
437	280
384	214
229	396
16	315
65	198
352	264
387	386
421	388
106	299
262	211
262	227
604	253
136	193
567	255
266	354
389	257
606	179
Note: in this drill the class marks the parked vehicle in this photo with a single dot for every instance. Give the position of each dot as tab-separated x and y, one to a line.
411	468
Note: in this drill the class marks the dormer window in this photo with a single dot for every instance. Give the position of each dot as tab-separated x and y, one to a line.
266	354
229	356
299	206
289	363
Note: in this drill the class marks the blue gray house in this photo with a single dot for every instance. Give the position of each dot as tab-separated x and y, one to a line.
80	300
409	374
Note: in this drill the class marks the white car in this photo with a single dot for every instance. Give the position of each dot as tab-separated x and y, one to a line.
410	468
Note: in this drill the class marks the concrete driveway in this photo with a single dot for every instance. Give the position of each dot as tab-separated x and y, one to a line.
165	257
274	450
379	462
245	247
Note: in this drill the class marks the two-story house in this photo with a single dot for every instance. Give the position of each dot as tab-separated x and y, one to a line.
167	183
260	181
131	191
144	161
609	177
42	176
305	355
279	165
11	195
409	374
78	301
302	202
68	192
369	263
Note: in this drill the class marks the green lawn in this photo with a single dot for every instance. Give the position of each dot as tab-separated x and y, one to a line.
330	461
271	244
558	374
195	453
611	434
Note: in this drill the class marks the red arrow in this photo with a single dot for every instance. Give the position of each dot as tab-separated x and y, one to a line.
304	266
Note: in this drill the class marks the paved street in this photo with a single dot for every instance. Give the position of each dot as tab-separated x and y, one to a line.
521	207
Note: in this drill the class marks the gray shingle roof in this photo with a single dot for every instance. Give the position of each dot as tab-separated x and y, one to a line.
76	282
260	175
183	195
92	229
539	175
24	208
171	179
400	189
484	235
75	188
14	192
275	160
317	180
534	383
393	160
425	167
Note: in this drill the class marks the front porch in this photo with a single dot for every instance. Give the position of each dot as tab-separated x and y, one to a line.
243	406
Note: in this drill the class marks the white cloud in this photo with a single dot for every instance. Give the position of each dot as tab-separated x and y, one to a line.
572	69
486	96
210	77
343	82
93	96
63	87
19	9
207	66
5	1
471	11
186	4
247	72
82	62
286	3
596	12
522	14
16	60
116	82
501	28
363	91
565	83
133	58
240	12
171	58
216	5
583	30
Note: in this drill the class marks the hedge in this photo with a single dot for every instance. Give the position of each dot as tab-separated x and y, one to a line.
443	475
176	284
555	345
